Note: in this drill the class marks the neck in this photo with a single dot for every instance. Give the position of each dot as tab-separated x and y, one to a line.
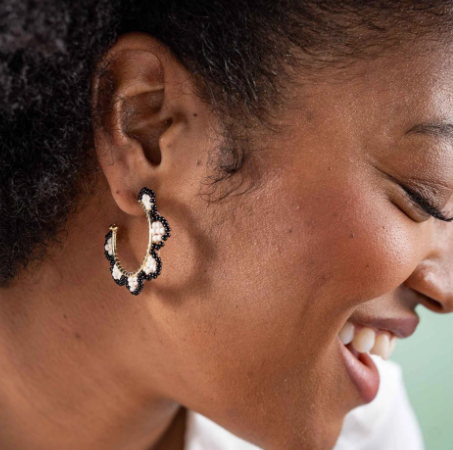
69	379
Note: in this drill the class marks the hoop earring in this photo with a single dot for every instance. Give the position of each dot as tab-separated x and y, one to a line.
151	267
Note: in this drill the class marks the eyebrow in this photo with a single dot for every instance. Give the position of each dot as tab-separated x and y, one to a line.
439	130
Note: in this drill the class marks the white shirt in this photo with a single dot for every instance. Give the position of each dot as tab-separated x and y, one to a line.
387	423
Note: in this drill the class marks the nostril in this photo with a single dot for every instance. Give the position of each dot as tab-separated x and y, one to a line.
432	288
432	304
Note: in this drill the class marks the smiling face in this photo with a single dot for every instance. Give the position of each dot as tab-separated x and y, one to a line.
276	279
326	236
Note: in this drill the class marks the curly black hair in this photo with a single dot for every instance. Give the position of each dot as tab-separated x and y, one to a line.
238	50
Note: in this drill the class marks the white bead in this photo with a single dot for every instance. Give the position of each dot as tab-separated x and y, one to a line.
146	200
116	273
158	231
108	247
150	266
132	283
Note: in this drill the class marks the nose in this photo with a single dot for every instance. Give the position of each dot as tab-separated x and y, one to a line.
434	284
433	277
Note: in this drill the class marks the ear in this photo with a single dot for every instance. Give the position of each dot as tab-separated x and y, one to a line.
144	107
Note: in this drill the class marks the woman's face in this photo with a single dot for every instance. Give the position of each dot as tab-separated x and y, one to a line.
257	286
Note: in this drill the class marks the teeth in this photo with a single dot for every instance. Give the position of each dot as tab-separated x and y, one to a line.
364	340
346	334
382	346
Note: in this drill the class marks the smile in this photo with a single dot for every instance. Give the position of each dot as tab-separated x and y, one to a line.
367	339
356	342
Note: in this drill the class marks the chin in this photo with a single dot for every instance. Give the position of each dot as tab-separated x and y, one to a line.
317	436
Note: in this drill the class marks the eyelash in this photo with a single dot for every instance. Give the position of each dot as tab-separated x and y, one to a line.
425	204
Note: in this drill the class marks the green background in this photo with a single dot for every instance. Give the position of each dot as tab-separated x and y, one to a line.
427	362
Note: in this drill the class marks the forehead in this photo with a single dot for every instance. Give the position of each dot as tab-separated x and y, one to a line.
415	81
412	83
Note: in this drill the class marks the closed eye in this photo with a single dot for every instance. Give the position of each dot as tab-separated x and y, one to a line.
425	204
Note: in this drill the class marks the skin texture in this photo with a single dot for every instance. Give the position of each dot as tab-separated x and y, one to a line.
242	324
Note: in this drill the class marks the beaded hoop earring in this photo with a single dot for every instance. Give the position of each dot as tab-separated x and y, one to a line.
151	267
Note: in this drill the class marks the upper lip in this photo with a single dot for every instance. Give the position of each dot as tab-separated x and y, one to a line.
401	327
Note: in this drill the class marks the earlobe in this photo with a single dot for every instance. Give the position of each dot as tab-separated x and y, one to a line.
128	96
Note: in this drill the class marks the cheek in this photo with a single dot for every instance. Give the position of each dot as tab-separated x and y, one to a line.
312	247
351	244
305	251
279	273
294	262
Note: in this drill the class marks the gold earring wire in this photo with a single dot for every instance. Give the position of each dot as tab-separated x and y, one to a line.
114	230
151	266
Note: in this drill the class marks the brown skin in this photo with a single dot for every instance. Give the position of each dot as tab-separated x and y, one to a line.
242	324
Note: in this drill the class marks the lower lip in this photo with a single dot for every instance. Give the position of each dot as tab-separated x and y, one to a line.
363	373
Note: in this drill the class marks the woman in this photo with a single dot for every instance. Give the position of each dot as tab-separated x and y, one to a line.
300	153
